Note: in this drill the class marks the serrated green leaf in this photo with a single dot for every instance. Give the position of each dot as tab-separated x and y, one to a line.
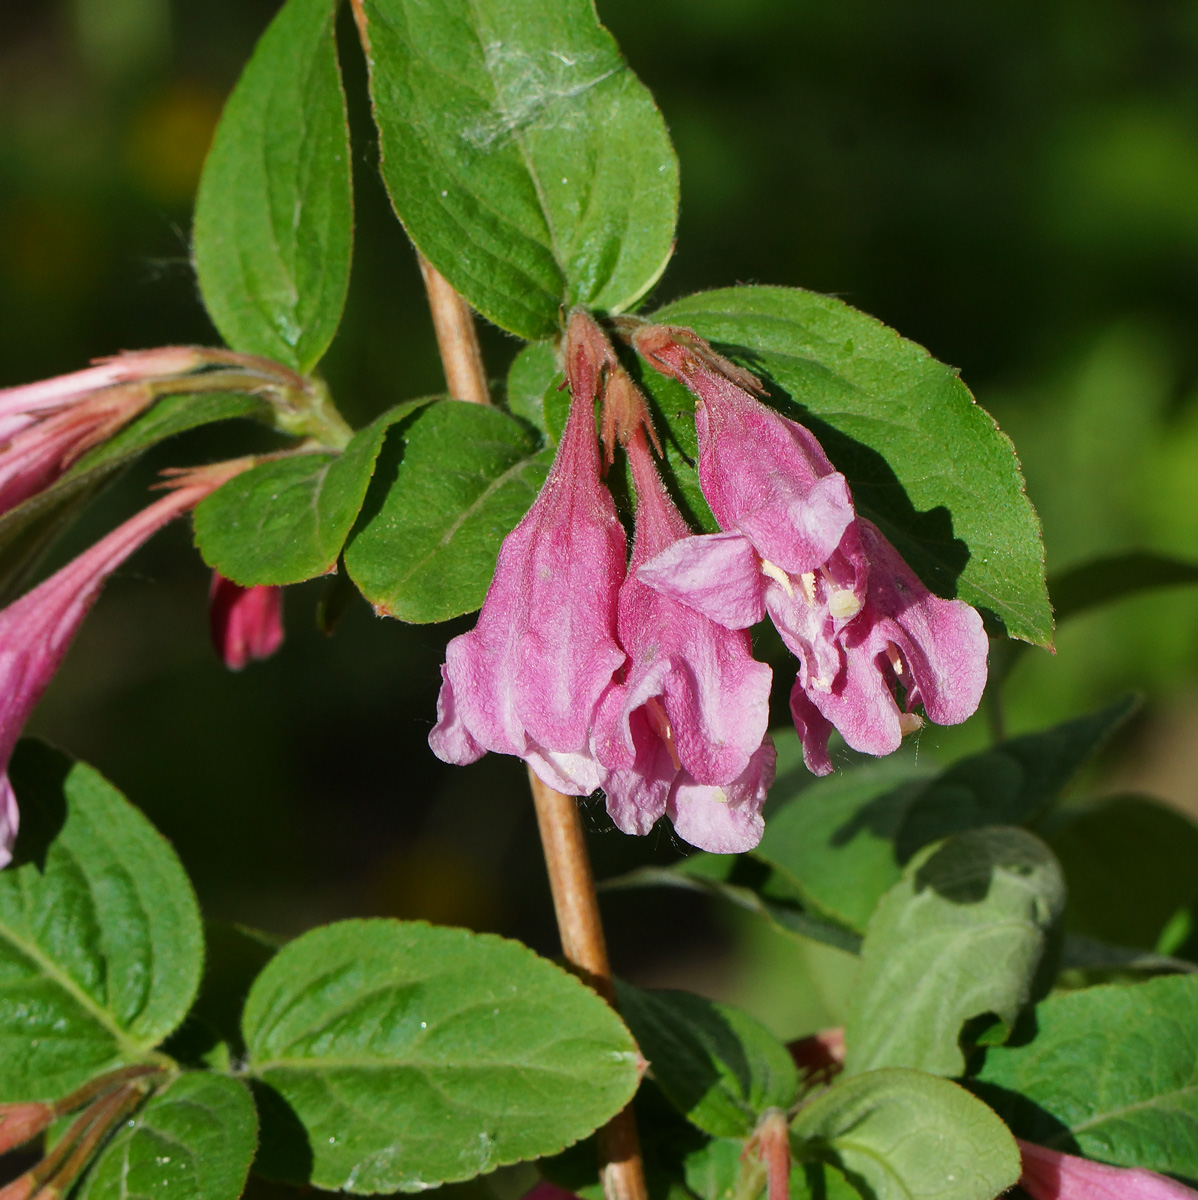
962	935
287	520
1112	1074
533	372
449	487
843	840
718	1066
274	212
413	1055
1130	863
195	1140
100	938
925	462
525	159
28	530
909	1136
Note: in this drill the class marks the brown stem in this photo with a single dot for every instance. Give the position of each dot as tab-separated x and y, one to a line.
456	338
583	944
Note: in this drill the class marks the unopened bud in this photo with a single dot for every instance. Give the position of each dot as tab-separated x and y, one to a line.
21	1188
20	1122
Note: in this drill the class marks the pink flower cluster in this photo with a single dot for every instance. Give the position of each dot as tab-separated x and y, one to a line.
637	677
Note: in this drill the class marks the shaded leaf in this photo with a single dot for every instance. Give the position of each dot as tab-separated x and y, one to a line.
843	840
195	1140
961	936
100	940
413	1055
274	212
1112	1074
1130	864
1105	580
533	372
719	1066
909	1136
925	462
449	487
527	162
287	520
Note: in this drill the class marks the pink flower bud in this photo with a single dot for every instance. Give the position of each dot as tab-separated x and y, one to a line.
46	426
36	629
246	622
21	1188
20	1122
1051	1175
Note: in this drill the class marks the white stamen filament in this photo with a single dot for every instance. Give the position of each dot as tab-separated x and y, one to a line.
775	572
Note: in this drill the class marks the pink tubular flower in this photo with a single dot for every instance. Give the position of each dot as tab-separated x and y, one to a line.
46	426
36	630
685	732
527	679
1051	1175
246	622
858	619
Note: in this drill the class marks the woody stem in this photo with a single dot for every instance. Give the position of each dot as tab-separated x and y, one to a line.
584	946
456	338
570	879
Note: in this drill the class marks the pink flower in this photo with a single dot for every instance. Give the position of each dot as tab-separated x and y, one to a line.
685	732
528	678
246	622
1050	1175
46	426
36	630
858	619
20	1122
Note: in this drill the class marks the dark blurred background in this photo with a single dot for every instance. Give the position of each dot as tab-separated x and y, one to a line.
1013	185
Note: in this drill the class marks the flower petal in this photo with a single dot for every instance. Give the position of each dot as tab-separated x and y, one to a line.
724	820
716	574
1051	1175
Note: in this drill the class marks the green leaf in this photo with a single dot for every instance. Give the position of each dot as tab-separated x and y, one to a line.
100	938
717	1065
1111	1074
925	462
287	520
843	840
961	936
449	487
1105	580
274	213
1129	864
909	1136
533	372
28	530
413	1055
195	1140
527	162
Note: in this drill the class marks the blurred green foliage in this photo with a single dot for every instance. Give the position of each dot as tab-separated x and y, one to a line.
1015	186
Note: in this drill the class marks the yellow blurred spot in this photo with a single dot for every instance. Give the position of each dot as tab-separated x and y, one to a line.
49	248
169	140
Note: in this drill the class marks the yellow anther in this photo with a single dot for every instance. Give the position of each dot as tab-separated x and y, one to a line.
843	604
807	579
910	722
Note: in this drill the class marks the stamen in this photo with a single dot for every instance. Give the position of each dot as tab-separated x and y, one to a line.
896	659
910	722
807	579
775	572
661	722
